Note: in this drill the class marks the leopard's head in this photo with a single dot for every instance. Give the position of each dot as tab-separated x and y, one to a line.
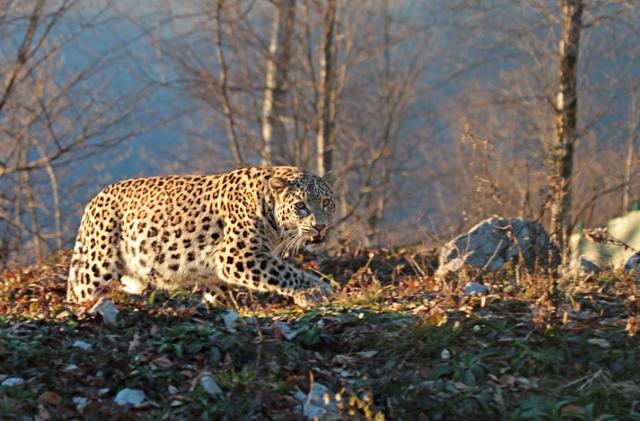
304	208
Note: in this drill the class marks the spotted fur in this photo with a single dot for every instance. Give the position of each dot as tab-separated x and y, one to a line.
202	231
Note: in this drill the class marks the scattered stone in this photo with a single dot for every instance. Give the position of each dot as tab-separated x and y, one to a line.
80	402
474	288
132	397
71	368
366	354
273	366
491	244
107	310
13	382
208	383
320	403
135	342
602	343
587	265
283	329
633	263
232	320
633	266
85	346
581	267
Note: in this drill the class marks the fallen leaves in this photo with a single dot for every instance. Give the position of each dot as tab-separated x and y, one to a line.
161	362
391	344
50	397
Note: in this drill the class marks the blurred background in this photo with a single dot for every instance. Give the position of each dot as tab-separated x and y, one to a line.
434	113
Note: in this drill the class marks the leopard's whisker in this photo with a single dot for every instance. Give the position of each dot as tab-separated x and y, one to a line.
300	242
292	244
281	249
287	247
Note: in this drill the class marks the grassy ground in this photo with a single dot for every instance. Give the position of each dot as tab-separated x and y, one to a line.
393	345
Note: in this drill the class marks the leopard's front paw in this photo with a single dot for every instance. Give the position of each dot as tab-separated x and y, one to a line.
319	293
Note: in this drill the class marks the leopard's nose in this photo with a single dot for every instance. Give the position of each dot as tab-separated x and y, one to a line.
320	227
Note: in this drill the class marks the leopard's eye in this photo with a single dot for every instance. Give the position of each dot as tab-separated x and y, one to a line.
326	203
300	205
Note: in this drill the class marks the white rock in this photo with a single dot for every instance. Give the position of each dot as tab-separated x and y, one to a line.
85	346
81	403
320	403
128	396
107	310
232	320
623	228
70	368
445	355
208	383
602	343
489	245
474	288
12	382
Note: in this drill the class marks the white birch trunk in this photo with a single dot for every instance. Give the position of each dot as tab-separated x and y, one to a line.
274	106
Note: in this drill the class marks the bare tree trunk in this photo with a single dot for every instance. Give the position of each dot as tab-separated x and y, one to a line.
565	120
375	204
57	206
277	67
226	104
631	142
33	215
18	212
324	138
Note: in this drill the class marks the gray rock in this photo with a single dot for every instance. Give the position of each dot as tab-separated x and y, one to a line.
232	321
474	288
132	397
85	346
582	266
633	263
320	403
633	266
81	403
588	265
491	244
107	310
209	384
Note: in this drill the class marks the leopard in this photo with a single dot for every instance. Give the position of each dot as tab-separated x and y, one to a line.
201	231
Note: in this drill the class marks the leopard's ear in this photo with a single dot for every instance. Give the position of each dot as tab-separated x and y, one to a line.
278	184
330	178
